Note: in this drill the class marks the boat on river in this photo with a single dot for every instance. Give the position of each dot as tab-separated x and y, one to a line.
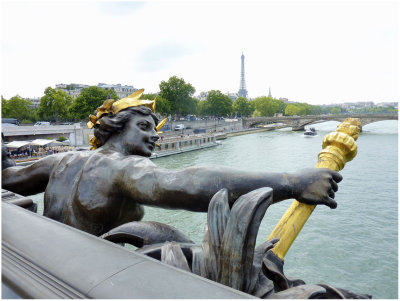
310	133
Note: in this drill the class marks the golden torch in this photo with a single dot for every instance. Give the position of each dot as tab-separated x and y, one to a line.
338	148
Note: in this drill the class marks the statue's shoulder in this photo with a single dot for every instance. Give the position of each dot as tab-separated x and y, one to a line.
117	160
138	161
72	156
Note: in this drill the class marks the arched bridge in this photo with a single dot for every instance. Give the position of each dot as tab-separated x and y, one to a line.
297	123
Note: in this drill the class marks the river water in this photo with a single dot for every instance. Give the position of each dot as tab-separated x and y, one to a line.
354	246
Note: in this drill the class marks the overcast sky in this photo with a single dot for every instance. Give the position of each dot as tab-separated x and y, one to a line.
317	52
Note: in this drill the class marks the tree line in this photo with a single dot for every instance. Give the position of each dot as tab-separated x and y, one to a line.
175	99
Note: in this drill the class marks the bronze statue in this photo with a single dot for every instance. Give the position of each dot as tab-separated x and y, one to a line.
98	190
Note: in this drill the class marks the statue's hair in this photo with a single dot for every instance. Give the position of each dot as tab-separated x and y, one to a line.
111	124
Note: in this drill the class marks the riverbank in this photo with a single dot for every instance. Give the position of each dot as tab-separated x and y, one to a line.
176	144
248	131
167	146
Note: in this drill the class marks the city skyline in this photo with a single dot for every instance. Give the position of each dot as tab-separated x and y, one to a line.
313	52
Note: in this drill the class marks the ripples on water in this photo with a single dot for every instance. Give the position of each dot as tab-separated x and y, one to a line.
352	247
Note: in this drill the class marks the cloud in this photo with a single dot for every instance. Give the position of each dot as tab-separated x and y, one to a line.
162	55
120	8
316	52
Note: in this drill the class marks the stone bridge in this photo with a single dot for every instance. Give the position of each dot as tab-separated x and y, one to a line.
297	123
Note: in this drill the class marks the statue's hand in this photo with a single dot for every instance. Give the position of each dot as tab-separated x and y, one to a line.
317	186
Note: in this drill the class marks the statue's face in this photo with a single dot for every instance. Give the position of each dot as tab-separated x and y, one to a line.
139	135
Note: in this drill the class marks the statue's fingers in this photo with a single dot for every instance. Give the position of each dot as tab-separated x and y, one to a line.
331	193
331	203
273	240
336	176
334	185
271	243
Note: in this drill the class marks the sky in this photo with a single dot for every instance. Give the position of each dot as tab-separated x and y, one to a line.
318	52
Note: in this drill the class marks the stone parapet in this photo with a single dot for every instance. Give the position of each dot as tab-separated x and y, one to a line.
45	259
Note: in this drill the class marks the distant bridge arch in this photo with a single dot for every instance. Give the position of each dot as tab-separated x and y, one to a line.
298	122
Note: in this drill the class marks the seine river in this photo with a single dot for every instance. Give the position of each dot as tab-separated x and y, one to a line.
354	246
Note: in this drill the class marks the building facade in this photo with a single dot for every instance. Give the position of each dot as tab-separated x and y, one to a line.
35	102
388	104
72	90
75	89
232	96
120	90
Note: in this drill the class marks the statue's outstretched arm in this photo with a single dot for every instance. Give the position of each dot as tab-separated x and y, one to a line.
28	180
192	188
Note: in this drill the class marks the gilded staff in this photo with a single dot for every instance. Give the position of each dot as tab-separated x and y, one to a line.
338	148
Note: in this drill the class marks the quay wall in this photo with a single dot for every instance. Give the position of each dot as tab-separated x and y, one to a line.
211	126
79	134
248	131
208	124
166	147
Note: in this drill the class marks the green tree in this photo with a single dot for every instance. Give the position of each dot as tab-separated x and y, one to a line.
242	107
179	95
218	104
4	107
17	107
336	110
314	110
163	106
252	107
202	108
190	106
268	106
261	107
256	114
377	110
302	109
54	105
292	109
88	101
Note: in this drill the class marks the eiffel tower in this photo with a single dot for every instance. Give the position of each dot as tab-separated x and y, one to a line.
242	89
